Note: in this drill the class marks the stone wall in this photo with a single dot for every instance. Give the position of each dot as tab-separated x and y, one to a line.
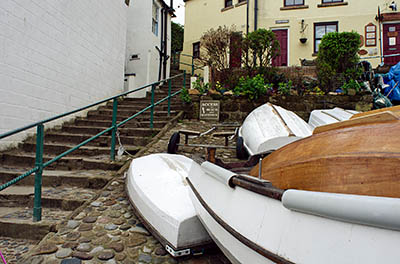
56	56
236	108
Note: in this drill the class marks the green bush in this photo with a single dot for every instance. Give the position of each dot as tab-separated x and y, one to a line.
285	87
337	59
351	85
199	86
252	88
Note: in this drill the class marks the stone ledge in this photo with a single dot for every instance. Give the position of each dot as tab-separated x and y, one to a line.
294	7
333	4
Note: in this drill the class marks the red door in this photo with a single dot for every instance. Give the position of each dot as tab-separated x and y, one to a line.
391	42
282	37
235	58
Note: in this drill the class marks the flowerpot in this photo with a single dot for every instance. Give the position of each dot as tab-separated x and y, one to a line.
303	40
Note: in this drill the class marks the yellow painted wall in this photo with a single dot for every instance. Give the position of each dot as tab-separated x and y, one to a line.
201	15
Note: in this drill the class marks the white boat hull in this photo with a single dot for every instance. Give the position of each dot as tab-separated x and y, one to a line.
305	227
157	187
270	127
323	117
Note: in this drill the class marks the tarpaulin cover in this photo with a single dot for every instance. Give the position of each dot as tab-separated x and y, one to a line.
391	78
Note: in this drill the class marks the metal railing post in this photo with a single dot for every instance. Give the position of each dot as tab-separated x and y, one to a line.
192	66
37	203
114	130
184	79
153	87
169	97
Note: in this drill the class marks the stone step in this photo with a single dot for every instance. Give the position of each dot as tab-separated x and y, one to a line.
90	179
17	222
13	158
130	124
144	116
129	108
129	142
56	149
64	198
146	132
127	114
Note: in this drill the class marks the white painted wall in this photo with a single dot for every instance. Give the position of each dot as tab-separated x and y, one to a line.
142	41
56	56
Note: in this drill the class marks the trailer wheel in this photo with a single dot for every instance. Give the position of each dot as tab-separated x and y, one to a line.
173	143
241	152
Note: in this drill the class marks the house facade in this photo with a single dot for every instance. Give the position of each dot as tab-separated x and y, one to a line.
148	46
299	25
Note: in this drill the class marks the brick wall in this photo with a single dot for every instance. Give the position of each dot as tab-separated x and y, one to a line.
56	56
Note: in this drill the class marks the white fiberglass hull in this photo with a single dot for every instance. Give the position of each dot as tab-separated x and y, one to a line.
270	127
157	187
329	116
305	227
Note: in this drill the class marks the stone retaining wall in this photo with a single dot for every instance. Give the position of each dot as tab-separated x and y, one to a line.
237	108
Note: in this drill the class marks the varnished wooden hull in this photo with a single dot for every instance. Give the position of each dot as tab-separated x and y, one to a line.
358	157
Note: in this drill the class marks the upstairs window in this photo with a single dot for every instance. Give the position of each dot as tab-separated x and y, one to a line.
154	25
294	2
320	29
241	1
228	3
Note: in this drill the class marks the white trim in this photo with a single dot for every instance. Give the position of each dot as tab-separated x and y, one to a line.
287	44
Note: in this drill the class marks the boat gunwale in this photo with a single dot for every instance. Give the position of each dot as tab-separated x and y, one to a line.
254	185
254	246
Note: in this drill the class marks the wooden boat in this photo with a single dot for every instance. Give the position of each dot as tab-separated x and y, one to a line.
333	197
254	222
270	127
359	156
323	117
157	188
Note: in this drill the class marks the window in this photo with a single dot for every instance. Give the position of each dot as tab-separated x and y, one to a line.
228	3
294	2
320	29
154	25
331	1
241	1
196	50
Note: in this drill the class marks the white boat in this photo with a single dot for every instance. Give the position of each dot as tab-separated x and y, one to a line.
268	128
253	222
323	117
157	188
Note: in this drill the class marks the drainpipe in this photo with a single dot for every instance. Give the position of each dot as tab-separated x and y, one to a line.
165	46
255	14
247	16
160	51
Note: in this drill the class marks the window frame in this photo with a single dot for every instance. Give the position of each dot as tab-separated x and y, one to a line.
331	23
294	4
226	3
196	52
331	1
155	20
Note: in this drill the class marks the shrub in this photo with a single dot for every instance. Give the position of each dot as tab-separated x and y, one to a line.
199	86
285	87
337	59
252	88
259	48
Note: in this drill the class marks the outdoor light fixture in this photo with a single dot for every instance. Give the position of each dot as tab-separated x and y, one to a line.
393	6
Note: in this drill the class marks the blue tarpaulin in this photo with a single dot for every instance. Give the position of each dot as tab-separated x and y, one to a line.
391	78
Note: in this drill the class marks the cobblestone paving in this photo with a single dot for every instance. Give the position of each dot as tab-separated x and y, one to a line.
13	249
107	231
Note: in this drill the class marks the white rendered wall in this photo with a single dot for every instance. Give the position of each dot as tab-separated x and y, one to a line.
143	42
56	56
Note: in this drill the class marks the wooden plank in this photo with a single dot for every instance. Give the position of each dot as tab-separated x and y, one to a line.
393	109
378	117
224	134
189	132
274	110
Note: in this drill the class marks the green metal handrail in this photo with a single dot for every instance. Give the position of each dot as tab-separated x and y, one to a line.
192	65
40	165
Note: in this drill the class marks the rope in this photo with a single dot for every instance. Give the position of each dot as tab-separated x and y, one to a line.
121	149
2	258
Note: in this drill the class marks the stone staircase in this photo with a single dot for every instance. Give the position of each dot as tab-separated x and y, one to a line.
78	177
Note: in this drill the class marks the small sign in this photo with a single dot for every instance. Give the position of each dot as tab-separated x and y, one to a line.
392	41
282	21
370	35
209	110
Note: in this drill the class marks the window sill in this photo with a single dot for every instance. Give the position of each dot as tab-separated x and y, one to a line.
240	4
333	4
294	7
227	8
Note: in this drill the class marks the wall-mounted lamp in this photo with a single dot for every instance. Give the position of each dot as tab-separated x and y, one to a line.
393	6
